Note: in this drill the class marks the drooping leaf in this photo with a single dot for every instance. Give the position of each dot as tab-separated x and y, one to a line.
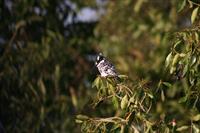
182	128
193	60
162	95
195	128
182	5
114	98
196	117
194	14
167	84
42	87
185	70
124	102
168	59
82	117
175	60
172	69
150	95
78	121
96	82
177	43
183	99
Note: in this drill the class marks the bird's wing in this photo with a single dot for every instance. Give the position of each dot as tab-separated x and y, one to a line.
110	68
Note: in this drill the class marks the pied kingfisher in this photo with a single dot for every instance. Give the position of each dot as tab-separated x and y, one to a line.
105	67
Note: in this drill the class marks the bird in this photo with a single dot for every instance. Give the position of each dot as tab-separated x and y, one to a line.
105	67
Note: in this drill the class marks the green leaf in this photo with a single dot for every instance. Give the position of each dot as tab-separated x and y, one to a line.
123	77
167	84
192	76
175	60
185	70
194	14
172	69
190	3
166	130
168	59
196	117
182	5
195	102
138	5
132	99
104	84
124	102
42	87
96	83
193	60
182	55
195	128
162	95
177	43
114	98
78	121
57	74
82	117
150	95
197	36
182	128
115	102
183	99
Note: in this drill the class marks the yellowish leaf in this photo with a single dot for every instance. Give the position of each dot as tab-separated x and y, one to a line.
194	14
124	102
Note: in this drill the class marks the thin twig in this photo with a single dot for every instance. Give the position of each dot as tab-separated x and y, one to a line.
194	3
111	120
143	98
142	107
128	89
135	129
149	108
97	126
11	41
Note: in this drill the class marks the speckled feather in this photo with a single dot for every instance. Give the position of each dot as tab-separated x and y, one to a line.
106	68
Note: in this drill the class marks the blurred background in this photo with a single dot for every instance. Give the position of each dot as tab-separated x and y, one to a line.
48	47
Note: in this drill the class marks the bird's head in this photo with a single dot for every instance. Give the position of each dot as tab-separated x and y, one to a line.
99	58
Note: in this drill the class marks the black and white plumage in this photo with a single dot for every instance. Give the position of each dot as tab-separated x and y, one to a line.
106	68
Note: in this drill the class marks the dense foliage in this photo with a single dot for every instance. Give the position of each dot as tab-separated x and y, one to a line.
47	81
42	69
159	50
